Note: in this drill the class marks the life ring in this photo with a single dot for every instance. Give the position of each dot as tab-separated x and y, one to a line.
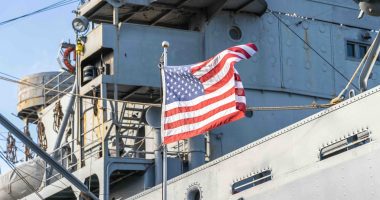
66	59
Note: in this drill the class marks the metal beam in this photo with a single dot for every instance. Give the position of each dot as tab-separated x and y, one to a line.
159	24
240	8
132	92
215	8
171	6
133	13
28	142
165	13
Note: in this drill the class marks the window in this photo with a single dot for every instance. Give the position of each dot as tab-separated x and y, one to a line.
235	33
252	181
344	145
350	50
194	194
362	50
356	50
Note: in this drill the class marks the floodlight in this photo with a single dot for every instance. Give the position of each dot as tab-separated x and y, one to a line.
80	24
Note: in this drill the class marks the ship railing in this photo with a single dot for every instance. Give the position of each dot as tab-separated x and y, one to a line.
92	150
68	159
137	149
129	149
57	87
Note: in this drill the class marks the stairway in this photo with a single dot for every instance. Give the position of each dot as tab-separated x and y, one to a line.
130	121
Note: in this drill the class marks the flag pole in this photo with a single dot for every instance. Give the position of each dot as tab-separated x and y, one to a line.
164	173
165	45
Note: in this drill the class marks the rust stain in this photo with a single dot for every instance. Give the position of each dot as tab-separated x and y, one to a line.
307	50
99	132
84	129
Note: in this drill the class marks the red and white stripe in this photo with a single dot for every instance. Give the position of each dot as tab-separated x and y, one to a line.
223	102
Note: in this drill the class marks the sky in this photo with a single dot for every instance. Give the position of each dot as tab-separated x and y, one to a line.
29	46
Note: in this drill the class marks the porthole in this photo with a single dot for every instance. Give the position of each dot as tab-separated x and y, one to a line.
235	33
194	192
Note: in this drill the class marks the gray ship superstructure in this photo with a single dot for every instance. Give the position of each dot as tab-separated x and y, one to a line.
96	126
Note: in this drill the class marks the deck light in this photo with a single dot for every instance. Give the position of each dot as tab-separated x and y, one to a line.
80	24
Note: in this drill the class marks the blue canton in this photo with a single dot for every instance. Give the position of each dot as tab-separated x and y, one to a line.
181	85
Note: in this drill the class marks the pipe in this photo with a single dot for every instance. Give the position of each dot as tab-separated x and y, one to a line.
49	160
369	63
152	117
68	112
115	16
197	151
158	156
62	128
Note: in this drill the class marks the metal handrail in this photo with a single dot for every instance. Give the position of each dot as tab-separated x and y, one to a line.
51	89
62	158
54	77
56	88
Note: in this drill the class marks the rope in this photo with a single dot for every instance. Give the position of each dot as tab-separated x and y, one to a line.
311	106
301	107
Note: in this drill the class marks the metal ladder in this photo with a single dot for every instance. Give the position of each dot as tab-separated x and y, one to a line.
131	120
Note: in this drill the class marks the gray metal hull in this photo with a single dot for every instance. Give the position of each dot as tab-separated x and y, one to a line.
307	51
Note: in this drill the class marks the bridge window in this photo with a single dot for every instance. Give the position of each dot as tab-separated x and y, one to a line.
362	50
351	50
356	50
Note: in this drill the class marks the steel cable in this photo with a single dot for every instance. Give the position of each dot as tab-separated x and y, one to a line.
311	47
44	9
13	167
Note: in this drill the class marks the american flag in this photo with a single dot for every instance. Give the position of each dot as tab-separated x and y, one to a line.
203	96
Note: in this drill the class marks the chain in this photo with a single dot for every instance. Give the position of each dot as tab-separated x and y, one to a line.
42	141
28	154
58	115
11	149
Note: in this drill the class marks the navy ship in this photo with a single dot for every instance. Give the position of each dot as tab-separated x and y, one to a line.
310	131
